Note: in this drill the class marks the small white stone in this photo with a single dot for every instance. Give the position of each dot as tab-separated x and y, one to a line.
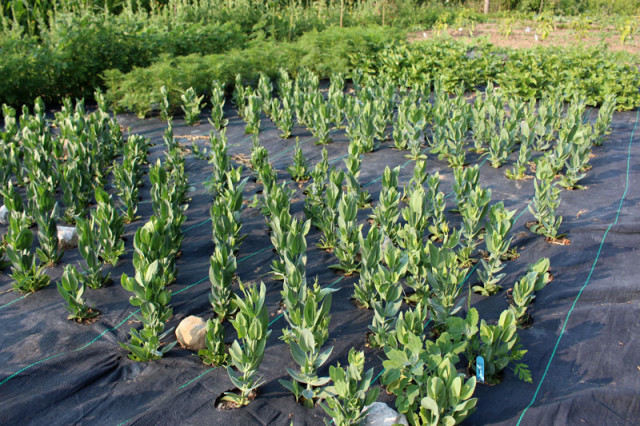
67	237
380	414
4	215
191	333
527	30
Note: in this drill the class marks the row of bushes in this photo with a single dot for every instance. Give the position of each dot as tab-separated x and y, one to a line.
590	73
69	61
64	52
323	52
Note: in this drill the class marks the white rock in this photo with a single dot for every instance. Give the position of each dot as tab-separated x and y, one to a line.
4	215
191	332
380	414
67	237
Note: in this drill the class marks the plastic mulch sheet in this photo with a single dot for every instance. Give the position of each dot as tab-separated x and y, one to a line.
583	344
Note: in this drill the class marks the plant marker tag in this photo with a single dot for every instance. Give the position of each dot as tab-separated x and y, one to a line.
480	369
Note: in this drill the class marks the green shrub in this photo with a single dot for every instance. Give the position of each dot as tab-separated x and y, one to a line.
322	52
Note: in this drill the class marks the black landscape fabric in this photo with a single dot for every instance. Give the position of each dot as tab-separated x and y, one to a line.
583	345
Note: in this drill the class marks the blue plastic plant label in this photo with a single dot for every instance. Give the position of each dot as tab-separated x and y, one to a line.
480	369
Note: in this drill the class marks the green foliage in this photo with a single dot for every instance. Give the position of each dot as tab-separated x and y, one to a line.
309	322
191	106
127	176
320	117
323	52
364	291
328	222
299	170
76	185
165	106
578	153
593	73
26	274
439	227
523	295
473	210
282	115
251	323
12	199
251	113
110	228
314	200
336	98
603	123
545	202
150	295
226	212
499	346
524	153
265	90
90	247
217	119
221	273
626	28
388	294
445	276
49	251
541	267
71	288
424	379
154	242
350	392
497	228
76	44
386	212
348	244
215	352
219	160
145	344
354	164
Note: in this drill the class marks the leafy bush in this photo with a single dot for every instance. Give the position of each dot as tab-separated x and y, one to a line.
89	246
71	287
110	228
322	52
423	377
27	275
215	352
350	391
252	325
150	295
309	331
592	73
68	57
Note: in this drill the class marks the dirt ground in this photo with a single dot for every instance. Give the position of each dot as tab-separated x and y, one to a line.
523	35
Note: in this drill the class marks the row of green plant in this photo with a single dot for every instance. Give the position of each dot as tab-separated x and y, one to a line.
323	52
392	251
527	73
59	48
156	249
76	160
590	73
